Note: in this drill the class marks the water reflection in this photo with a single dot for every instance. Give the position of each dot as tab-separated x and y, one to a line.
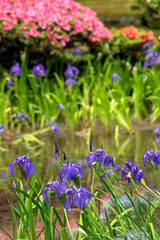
76	148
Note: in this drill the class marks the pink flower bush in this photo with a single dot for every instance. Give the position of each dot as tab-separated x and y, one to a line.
59	21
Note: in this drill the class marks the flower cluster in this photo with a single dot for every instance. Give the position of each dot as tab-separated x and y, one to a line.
151	155
133	33
77	51
2	132
56	186
70	172
39	70
58	21
10	82
24	162
115	76
59	105
22	115
81	196
130	170
150	58
112	169
101	157
55	126
157	132
147	36
70	73
129	31
15	70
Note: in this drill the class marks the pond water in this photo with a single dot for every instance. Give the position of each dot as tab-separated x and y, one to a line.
76	148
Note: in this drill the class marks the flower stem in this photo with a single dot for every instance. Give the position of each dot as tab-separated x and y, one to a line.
93	178
65	212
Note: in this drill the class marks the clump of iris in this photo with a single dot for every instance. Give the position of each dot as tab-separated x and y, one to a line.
2	132
79	196
70	171
76	194
131	171
15	70
101	157
115	77
157	133
114	167
25	164
39	70
59	105
152	157
70	73
151	58
77	51
10	82
101	160
147	44
70	82
21	116
54	126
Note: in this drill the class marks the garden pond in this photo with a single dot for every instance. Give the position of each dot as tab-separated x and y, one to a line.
76	148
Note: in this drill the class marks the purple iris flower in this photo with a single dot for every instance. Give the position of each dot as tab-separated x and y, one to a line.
114	166
58	187
115	76
132	170
50	123
151	155
2	132
70	172
22	115
55	128
23	161
147	44
107	171
147	51
151	58
77	51
15	70
39	70
71	70
10	82
157	132
60	106
137	173
3	176
70	82
69	73
81	198
99	155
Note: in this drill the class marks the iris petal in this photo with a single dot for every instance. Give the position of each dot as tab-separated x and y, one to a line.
68	203
79	200
29	168
10	169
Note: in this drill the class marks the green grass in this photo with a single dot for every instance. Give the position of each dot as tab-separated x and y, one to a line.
109	8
